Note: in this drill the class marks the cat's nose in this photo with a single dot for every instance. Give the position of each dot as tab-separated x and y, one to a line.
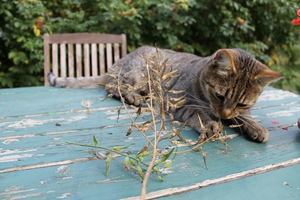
226	113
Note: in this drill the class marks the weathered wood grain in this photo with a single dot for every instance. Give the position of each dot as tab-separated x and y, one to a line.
86	60
63	69
70	60
82	38
278	184
78	61
187	169
101	59
38	164
54	59
94	60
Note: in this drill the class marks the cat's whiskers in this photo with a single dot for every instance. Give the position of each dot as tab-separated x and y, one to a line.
236	123
247	124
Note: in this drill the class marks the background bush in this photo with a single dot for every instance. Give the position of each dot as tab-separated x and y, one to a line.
263	27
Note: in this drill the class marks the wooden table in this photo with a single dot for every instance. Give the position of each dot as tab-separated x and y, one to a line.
36	163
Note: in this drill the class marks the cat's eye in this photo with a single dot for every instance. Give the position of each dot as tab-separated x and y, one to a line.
220	97
241	105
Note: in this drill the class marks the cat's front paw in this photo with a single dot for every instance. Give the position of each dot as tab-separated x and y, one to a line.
132	98
211	128
258	133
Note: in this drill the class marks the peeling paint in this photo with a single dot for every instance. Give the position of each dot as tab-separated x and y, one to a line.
284	113
62	169
67	177
7	142
14	157
210	182
16	191
28	195
12	188
66	195
5	152
123	114
87	104
25	123
7	93
273	95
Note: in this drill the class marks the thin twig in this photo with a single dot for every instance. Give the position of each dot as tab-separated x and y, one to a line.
128	111
144	187
162	154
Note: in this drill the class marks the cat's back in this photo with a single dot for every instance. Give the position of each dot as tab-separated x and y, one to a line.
178	59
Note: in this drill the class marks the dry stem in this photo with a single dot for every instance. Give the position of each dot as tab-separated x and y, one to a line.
122	99
146	177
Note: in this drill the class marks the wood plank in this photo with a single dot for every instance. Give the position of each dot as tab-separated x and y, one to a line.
63	69
78	61
54	59
46	58
124	45
94	60
71	60
82	38
52	99
101	58
21	127
277	184
108	56
116	52
86	60
187	169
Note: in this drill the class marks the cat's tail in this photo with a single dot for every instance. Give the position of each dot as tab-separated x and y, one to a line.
81	82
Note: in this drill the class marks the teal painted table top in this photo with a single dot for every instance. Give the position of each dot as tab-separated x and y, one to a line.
36	163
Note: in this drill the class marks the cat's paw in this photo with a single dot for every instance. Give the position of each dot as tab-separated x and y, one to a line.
132	98
211	128
258	133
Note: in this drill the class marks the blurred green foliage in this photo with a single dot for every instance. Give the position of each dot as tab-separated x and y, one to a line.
200	27
289	57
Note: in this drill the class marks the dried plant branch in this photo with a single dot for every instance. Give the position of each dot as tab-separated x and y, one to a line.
144	187
133	121
161	154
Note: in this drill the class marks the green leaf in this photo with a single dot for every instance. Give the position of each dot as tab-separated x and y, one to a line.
12	54
163	159
108	159
95	141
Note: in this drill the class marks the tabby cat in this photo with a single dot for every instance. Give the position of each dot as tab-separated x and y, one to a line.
225	84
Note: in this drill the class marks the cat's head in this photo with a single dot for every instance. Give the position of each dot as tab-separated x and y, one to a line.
233	80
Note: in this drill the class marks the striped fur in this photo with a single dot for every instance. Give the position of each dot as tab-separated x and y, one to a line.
225	84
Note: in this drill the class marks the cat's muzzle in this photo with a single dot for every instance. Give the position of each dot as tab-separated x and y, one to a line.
224	113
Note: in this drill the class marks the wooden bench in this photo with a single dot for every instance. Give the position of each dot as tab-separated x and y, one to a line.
60	56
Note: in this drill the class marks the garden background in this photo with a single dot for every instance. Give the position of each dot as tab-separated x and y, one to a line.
262	27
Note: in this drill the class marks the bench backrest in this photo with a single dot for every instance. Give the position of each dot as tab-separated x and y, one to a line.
67	57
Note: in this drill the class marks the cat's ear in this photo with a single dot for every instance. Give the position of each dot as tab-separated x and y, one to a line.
223	58
266	76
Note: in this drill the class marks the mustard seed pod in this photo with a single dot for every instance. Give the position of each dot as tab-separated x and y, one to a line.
132	162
